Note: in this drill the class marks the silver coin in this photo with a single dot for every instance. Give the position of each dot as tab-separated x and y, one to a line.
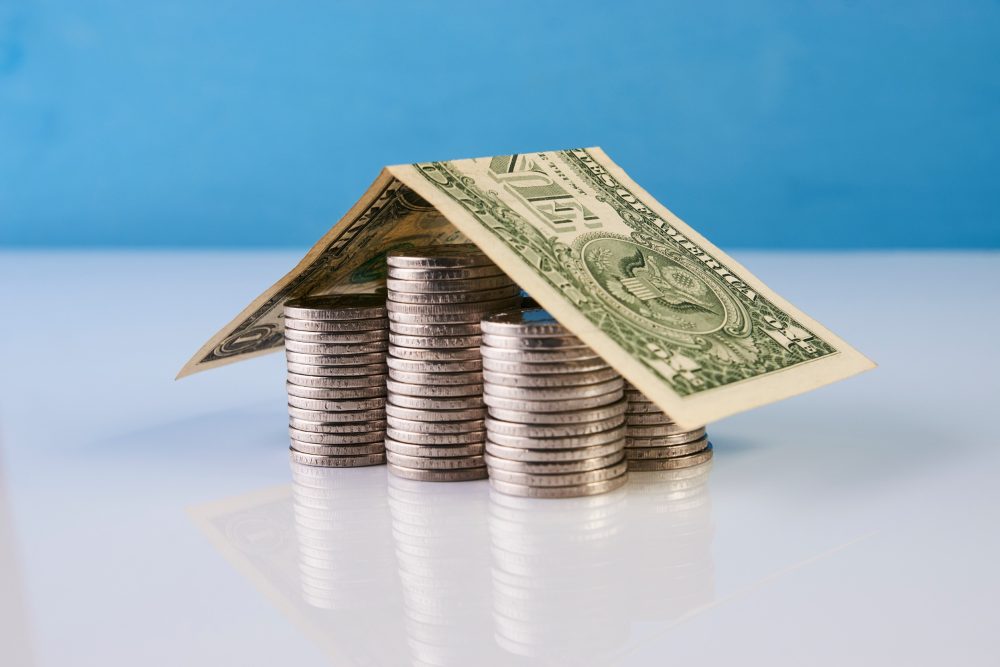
370	370
643	407
465	319
337	450
561	479
532	342
674	463
336	326
336	417
561	380
435	342
636	395
435	391
339	337
647	418
408	285
579	490
496	426
438	274
536	368
447	451
614	435
434	415
324	426
562	405
552	455
442	256
336	307
434	354
553	355
426	329
667	451
616	409
659	430
436	379
443	298
335	405
365	437
552	467
335	359
333	382
436	403
479	307
327	393
524	322
428	366
460	475
433	427
664	440
337	349
336	461
552	394
476	437
435	462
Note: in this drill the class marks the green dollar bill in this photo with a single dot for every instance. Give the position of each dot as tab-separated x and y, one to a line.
683	321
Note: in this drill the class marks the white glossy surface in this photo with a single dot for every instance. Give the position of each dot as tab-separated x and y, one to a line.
148	522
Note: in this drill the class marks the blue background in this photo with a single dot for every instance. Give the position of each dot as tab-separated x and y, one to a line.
255	124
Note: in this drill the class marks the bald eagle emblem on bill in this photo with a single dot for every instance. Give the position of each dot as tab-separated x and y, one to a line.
660	288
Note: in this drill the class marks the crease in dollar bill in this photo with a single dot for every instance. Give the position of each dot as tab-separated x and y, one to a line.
684	322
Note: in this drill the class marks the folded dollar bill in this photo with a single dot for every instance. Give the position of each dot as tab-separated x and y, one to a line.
685	323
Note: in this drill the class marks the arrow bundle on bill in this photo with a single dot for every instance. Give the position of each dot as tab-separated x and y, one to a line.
695	331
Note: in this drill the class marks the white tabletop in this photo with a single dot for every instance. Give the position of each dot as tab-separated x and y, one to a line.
150	522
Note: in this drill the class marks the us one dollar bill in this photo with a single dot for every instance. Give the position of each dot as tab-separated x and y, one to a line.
689	326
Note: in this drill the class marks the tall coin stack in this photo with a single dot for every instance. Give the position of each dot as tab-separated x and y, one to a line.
655	442
437	296
335	347
555	427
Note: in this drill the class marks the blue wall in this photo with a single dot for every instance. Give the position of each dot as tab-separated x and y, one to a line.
255	123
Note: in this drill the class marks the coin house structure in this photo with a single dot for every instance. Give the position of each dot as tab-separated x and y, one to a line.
682	322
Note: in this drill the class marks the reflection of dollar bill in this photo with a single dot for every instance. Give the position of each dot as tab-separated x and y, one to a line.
680	319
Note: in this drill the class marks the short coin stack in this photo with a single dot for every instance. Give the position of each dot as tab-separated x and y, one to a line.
437	297
335	347
555	427
655	442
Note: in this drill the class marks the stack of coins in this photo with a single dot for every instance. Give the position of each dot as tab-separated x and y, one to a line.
555	427
437	297
335	346
655	442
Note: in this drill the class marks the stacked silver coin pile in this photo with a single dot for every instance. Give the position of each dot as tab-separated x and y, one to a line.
335	347
655	442
437	297
555	427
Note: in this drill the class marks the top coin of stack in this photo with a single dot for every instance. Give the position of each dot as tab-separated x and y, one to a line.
335	347
654	442
556	410
436	298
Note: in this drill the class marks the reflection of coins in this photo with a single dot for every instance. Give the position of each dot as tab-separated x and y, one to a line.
573	491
